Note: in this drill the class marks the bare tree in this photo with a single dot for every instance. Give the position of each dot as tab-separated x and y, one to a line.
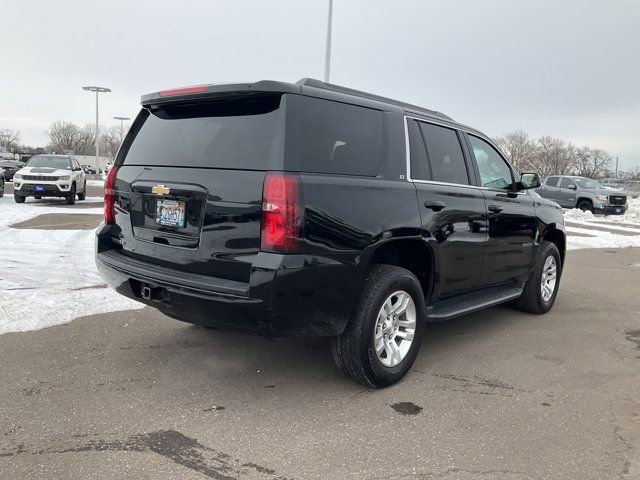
110	140
554	156
592	162
63	136
86	141
520	149
9	138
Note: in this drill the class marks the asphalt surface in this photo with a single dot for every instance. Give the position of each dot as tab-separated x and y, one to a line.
497	395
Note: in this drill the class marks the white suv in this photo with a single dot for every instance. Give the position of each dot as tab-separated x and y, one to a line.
50	176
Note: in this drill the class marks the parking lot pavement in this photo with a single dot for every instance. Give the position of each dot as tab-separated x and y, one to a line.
496	395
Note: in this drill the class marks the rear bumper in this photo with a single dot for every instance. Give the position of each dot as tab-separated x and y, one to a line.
284	297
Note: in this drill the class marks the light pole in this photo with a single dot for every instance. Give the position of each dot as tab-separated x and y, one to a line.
97	90
122	119
327	55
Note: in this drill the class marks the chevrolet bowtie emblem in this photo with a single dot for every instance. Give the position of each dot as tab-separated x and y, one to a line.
160	190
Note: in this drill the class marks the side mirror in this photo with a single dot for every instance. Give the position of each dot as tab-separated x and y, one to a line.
573	187
529	180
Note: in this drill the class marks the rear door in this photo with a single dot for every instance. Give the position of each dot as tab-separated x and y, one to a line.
550	188
512	219
452	209
190	178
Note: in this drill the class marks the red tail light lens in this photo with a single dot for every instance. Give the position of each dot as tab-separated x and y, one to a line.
281	228
184	91
109	196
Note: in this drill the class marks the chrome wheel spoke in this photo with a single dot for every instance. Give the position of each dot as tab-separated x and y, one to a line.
549	278
394	330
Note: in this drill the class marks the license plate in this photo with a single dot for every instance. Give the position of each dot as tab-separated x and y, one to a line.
618	210
170	213
39	188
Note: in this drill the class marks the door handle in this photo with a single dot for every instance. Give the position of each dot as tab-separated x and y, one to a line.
436	206
495	208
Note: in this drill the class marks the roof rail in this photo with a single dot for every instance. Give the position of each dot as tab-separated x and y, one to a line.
312	82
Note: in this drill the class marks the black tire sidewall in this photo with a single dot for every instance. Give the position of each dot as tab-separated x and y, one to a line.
587	204
404	280
71	198
547	250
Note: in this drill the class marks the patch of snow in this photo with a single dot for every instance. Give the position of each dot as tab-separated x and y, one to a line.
612	223
49	277
95	183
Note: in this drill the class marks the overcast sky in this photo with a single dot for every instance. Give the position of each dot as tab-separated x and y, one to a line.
569	68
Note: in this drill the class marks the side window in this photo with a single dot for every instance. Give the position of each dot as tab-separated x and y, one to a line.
445	154
552	181
566	183
494	170
340	138
419	162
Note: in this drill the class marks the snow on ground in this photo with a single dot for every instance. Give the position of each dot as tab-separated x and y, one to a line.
599	231
49	277
95	183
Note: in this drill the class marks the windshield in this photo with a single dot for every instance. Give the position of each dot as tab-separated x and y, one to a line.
50	162
587	183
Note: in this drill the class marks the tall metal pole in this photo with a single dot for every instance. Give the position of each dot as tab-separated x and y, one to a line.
122	119
97	137
97	90
327	56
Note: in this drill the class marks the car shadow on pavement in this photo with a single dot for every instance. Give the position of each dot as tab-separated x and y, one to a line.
238	360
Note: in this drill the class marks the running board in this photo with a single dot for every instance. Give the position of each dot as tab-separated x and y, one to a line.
462	305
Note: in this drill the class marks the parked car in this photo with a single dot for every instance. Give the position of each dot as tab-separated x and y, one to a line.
1	182
50	176
570	191
88	169
310	209
10	167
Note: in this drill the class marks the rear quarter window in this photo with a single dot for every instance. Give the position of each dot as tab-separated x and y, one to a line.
340	138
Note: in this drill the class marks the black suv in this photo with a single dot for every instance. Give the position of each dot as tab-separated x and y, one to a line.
315	210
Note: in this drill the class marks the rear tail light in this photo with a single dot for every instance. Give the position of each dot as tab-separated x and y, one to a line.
110	197
281	227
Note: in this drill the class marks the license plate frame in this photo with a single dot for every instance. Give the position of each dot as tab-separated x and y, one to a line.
171	213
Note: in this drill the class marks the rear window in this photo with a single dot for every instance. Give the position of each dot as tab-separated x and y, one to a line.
445	154
236	133
340	138
552	181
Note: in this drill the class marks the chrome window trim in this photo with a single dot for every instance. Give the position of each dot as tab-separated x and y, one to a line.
408	154
455	128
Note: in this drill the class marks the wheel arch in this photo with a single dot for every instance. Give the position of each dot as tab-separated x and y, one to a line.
559	238
415	255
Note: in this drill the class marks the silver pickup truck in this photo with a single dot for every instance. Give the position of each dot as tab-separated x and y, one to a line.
579	192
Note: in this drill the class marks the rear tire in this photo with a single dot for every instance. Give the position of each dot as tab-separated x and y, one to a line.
535	298
585	205
83	195
18	198
71	197
354	351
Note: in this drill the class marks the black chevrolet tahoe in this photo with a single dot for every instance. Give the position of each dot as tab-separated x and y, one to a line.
310	209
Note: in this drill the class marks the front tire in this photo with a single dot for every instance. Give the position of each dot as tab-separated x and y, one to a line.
540	291
83	195
71	197
18	198
585	206
385	331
